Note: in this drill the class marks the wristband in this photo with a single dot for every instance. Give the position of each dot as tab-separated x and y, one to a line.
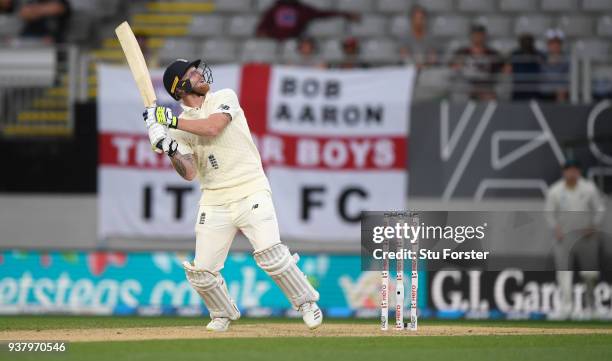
173	123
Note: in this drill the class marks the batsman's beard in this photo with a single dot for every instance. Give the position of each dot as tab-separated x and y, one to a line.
201	88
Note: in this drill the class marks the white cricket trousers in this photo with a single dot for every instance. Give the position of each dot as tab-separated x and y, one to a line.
216	227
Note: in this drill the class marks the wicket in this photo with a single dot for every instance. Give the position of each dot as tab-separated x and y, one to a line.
413	218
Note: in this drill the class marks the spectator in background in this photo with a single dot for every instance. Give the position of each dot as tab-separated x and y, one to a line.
351	51
555	69
308	52
525	63
418	47
45	19
478	64
290	18
6	7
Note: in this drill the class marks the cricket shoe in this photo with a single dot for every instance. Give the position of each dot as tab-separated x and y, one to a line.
219	324
311	314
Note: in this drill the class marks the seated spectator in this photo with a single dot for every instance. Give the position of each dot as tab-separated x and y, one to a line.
555	69
478	65
308	51
525	63
290	18
418	47
350	51
45	19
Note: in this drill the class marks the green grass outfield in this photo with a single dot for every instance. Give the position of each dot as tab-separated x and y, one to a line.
431	348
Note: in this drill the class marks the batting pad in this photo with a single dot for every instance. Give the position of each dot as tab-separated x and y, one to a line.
281	266
213	291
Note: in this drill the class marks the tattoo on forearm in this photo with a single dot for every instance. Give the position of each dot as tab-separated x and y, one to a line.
181	163
178	166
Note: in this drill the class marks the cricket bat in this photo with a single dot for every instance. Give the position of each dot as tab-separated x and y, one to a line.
137	63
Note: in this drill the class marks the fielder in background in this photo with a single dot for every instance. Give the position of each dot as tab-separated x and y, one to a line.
575	210
211	141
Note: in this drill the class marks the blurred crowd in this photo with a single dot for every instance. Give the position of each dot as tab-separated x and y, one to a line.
44	20
535	74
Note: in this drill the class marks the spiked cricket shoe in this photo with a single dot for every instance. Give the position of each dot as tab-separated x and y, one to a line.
219	324
311	314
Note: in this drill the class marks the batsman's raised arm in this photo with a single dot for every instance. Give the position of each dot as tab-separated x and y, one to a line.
209	127
225	108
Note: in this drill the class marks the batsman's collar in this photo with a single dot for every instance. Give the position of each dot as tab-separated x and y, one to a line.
188	109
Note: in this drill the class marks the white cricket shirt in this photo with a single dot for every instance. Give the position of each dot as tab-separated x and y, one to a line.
584	197
228	165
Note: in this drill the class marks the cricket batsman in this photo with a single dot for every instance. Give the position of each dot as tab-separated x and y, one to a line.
211	141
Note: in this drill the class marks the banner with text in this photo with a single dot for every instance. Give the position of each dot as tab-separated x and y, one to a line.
333	143
144	283
514	294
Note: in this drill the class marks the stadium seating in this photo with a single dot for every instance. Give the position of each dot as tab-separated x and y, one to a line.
497	25
263	5
524	6
327	28
504	45
361	6
576	26
259	51
219	50
450	26
228	26
233	6
223	30
400	26
288	52
532	24
594	48
321	4
235	20
559	5
242	26
177	48
207	25
28	66
9	26
604	26
369	26
379	51
437	5
478	6
331	51
393	6
597	5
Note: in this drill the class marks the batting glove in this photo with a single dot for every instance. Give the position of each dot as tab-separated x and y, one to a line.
157	133
161	115
169	146
149	116
161	141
